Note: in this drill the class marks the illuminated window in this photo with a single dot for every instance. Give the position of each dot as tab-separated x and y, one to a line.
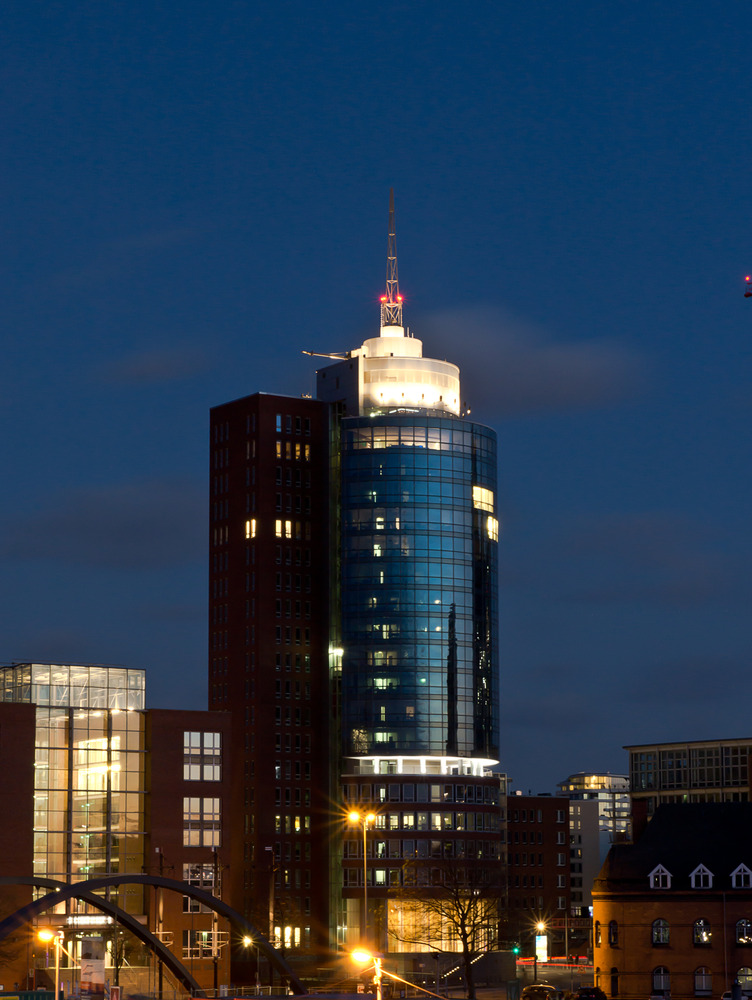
483	499
201	823
701	933
197	944
492	526
307	452
202	756
744	931
278	529
250	528
288	529
279	449
297	450
199	877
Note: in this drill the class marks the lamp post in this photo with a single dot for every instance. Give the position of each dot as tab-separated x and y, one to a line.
247	941
48	936
361	955
364	819
540	928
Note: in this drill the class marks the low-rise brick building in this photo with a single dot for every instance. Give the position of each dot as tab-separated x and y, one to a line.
673	911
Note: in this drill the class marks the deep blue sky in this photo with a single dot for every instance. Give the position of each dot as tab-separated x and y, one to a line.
194	193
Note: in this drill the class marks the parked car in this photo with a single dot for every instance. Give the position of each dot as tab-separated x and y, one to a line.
590	993
540	991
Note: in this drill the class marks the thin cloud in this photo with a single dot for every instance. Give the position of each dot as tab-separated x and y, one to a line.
156	367
518	368
118	255
653	556
135	526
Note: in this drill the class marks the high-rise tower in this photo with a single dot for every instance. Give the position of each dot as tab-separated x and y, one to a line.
417	558
391	509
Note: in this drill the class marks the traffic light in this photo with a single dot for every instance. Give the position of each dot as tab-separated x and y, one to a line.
515	949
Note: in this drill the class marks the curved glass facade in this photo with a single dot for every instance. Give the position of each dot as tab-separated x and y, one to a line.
419	533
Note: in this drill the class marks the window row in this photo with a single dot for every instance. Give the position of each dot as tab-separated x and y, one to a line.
285	554
410	792
292	529
288	717
292	477
288	451
300	770
701	932
301	424
522	859
301	504
702	981
290	744
292	797
291	688
422	849
292	851
700	878
300	635
292	824
435	821
300	609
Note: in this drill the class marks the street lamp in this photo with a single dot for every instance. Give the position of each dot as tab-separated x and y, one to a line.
247	941
539	928
364	819
363	956
46	935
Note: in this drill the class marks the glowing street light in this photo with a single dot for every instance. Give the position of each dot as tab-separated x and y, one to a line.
49	936
247	942
361	955
540	951
365	820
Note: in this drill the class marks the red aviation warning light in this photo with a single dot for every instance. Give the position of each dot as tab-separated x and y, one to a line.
748	287
383	298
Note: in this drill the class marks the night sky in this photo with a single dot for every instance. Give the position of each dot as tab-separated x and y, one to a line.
193	194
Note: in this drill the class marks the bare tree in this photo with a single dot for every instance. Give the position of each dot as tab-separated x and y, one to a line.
447	903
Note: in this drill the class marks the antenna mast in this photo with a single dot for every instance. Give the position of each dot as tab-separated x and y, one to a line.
391	303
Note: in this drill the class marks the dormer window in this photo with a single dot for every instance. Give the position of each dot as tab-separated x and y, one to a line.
701	878
660	878
741	878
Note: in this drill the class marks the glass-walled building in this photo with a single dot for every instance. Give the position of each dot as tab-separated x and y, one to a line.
418	556
88	770
414	658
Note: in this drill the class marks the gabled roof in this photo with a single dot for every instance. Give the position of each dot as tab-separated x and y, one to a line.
680	837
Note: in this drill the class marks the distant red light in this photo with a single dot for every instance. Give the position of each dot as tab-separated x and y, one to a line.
399	298
747	278
383	298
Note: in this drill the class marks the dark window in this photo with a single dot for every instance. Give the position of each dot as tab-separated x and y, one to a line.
660	933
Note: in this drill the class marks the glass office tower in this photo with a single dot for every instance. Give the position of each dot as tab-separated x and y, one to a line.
419	597
414	628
